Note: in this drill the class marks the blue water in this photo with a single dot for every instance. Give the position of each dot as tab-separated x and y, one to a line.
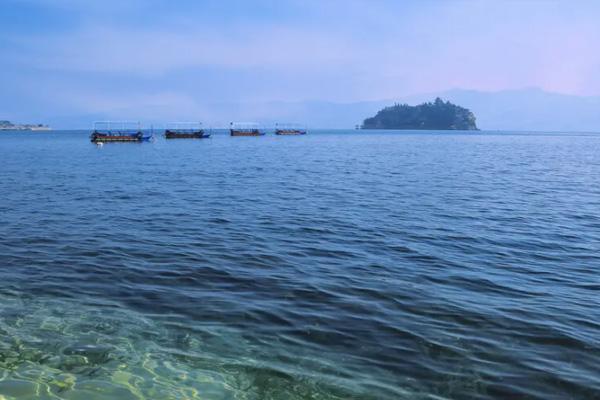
336	265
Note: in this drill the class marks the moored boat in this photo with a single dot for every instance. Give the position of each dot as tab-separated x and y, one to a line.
289	129
110	131
185	130
245	129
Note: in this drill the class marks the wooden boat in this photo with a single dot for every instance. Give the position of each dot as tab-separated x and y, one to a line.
186	130
169	134
289	129
245	129
290	132
110	131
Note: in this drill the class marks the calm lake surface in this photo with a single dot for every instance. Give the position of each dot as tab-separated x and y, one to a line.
336	265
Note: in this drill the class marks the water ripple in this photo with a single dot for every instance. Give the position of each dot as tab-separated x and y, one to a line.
335	266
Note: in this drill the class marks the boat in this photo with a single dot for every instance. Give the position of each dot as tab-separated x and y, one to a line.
245	129
185	130
289	129
112	131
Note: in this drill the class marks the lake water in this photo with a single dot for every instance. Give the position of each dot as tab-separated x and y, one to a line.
336	265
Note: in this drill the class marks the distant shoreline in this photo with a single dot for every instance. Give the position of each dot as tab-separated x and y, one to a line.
9	126
34	129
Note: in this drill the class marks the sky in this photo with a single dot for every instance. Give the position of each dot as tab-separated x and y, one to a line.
64	60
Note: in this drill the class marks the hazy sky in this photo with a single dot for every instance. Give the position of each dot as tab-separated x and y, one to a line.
76	57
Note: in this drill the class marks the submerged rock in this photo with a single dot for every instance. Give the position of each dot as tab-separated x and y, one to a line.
93	353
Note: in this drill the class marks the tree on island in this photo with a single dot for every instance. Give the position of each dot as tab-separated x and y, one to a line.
439	115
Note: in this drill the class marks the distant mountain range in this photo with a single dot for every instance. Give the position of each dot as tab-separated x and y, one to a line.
528	109
518	110
512	110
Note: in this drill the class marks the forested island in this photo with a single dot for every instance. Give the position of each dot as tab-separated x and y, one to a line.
438	115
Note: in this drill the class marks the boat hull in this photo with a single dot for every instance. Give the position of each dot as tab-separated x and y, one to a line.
105	138
254	132
186	135
288	132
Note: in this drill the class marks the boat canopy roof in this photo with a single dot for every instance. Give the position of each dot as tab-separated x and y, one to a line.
289	125
117	126
244	125
184	126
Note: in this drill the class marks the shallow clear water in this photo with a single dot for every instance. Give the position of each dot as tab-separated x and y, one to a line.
336	265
